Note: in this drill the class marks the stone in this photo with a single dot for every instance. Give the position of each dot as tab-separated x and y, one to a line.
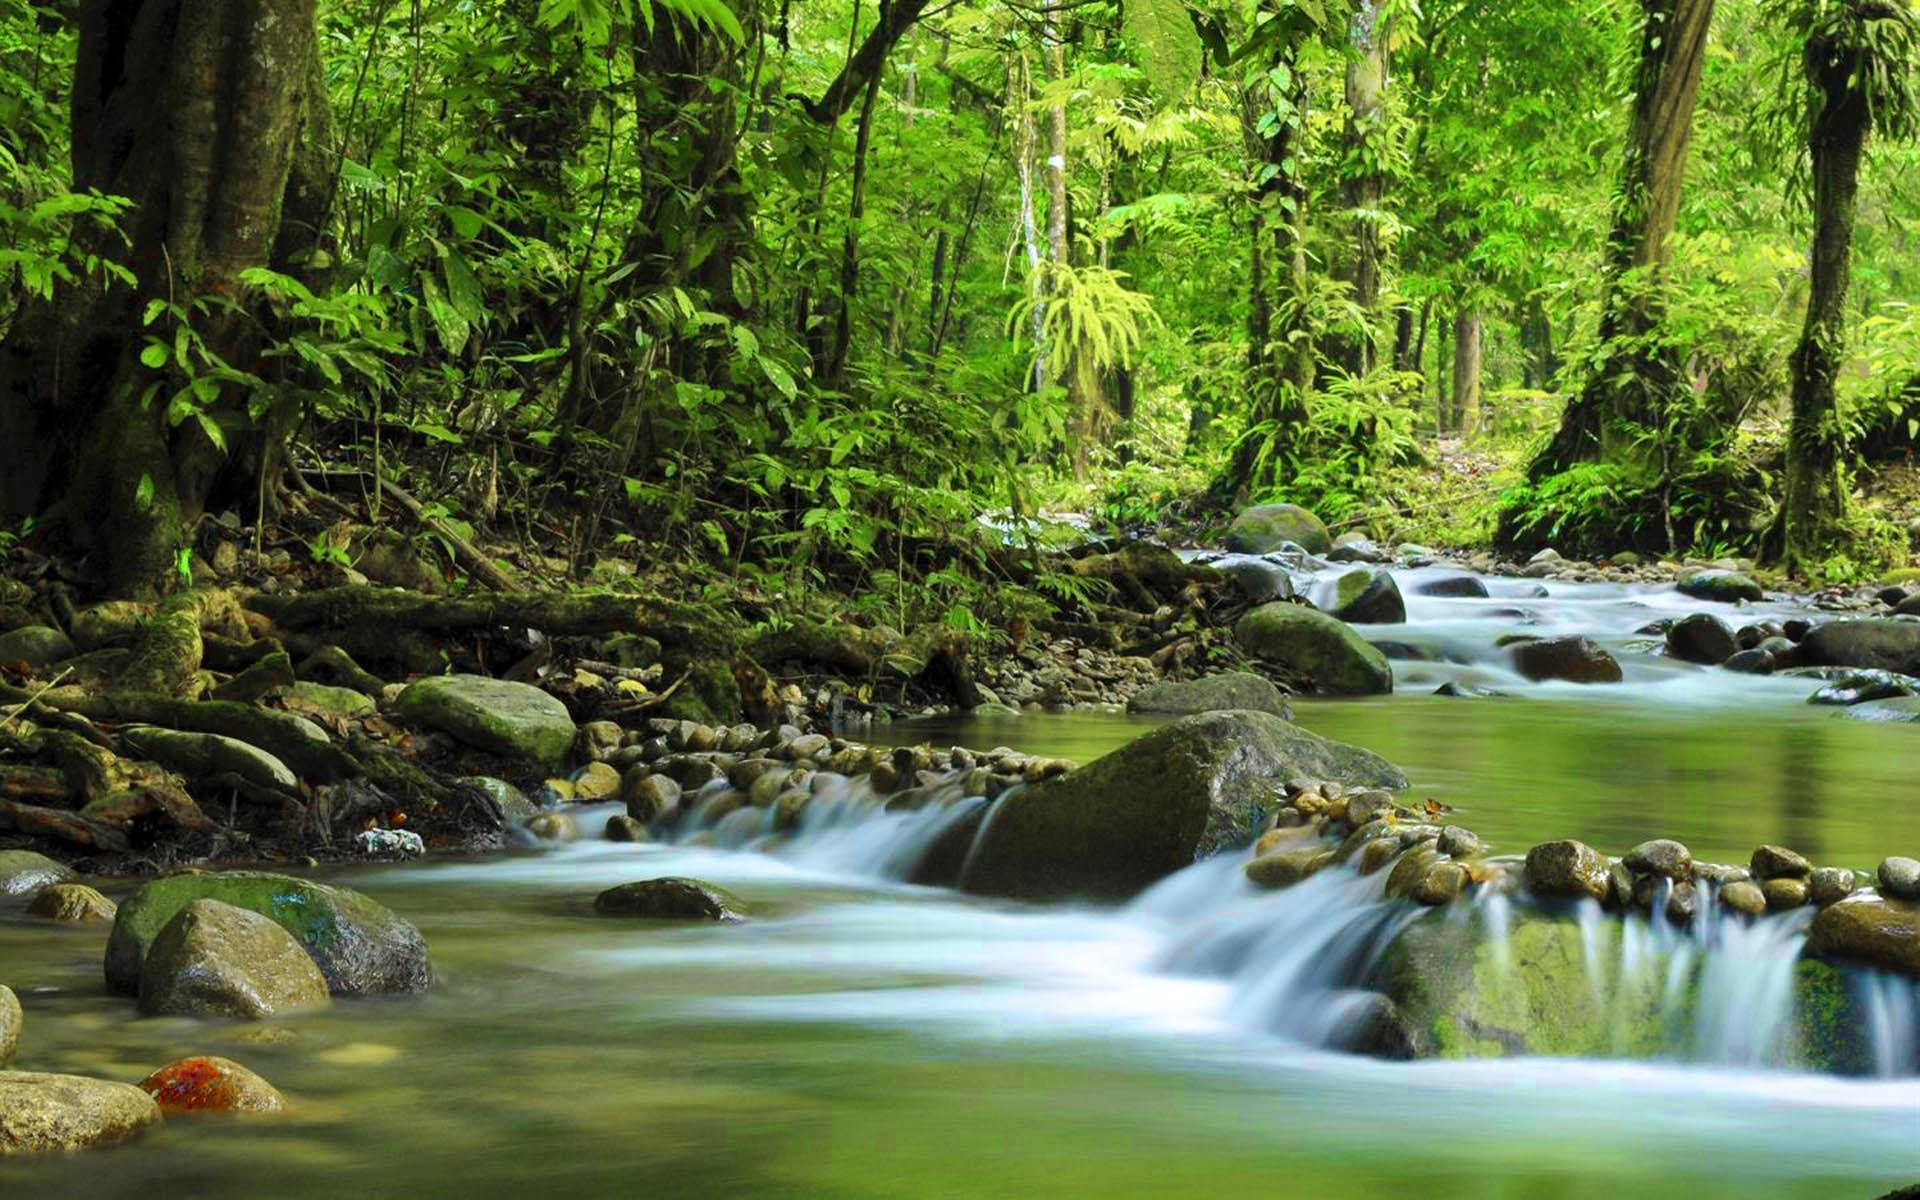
1313	651
207	755
24	873
1267	527
1750	662
36	646
1258	580
1573	659
1214	693
1873	643
513	803
599	739
11	1018
1682	901
670	899
1859	687
1191	788
648	796
1701	638
1899	878
1285	868
1897	711
623	828
1457	842
360	946
215	960
1566	869
1410	870
390	843
1869	930
1778	862
1442	884
512	720
71	903
1366	597
554	827
1727	587
210	1084
1354	547
42	1114
1464	587
1744	897
596	781
1784	892
1830	885
1661	856
323	698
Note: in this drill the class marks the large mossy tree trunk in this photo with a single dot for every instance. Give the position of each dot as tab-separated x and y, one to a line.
1364	185
1815	505
210	118
1637	373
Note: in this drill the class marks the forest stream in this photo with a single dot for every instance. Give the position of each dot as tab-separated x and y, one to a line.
864	1037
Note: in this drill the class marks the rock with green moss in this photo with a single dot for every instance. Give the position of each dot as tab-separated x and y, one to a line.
23	872
513	720
1313	651
333	701
1193	787
1727	587
1267	527
36	646
710	695
216	960
1871	930
1214	693
360	946
208	756
1366	597
10	1022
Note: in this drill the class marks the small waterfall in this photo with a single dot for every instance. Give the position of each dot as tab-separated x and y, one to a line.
1746	986
1893	1023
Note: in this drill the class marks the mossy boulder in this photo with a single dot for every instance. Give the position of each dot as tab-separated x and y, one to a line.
215	960
1366	597
328	700
208	755
360	946
23	872
1215	693
512	720
1727	587
1191	788
710	695
1313	651
41	1114
1872	643
1267	527
36	646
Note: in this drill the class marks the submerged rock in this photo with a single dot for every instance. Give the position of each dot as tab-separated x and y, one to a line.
1317	652
1458	586
71	903
1214	693
215	960
48	1113
210	1084
1366	597
1859	687
360	946
1267	527
1187	789
1573	659
23	873
670	899
512	720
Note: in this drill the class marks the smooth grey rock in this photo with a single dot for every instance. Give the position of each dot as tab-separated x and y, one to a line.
513	720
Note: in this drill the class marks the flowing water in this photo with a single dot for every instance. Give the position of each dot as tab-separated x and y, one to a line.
862	1038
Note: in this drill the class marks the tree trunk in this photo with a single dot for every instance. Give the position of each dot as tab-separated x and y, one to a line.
1631	384
196	111
1467	334
1364	185
1814	509
836	375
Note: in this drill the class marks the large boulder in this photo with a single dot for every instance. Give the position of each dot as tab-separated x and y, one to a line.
10	1021
1313	651
1191	788
215	960
23	873
48	1113
1728	587
1874	643
1573	659
36	646
1215	693
513	720
360	946
1267	527
1871	930
1366	597
1701	638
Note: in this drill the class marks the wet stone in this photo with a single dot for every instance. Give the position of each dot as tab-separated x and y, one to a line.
1459	842
1567	869
1744	897
1830	885
1784	892
1778	862
1661	856
1441	885
1899	878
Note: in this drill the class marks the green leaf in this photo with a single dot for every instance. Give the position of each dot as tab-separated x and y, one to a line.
212	429
154	356
1166	45
447	321
143	494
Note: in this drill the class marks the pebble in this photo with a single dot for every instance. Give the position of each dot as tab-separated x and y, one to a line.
1829	885
1778	862
1744	897
1899	878
1784	892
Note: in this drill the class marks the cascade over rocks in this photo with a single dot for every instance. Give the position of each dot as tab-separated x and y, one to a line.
1124	821
1313	651
360	946
1267	527
1213	693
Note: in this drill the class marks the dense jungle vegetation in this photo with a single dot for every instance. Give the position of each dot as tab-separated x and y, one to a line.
801	290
